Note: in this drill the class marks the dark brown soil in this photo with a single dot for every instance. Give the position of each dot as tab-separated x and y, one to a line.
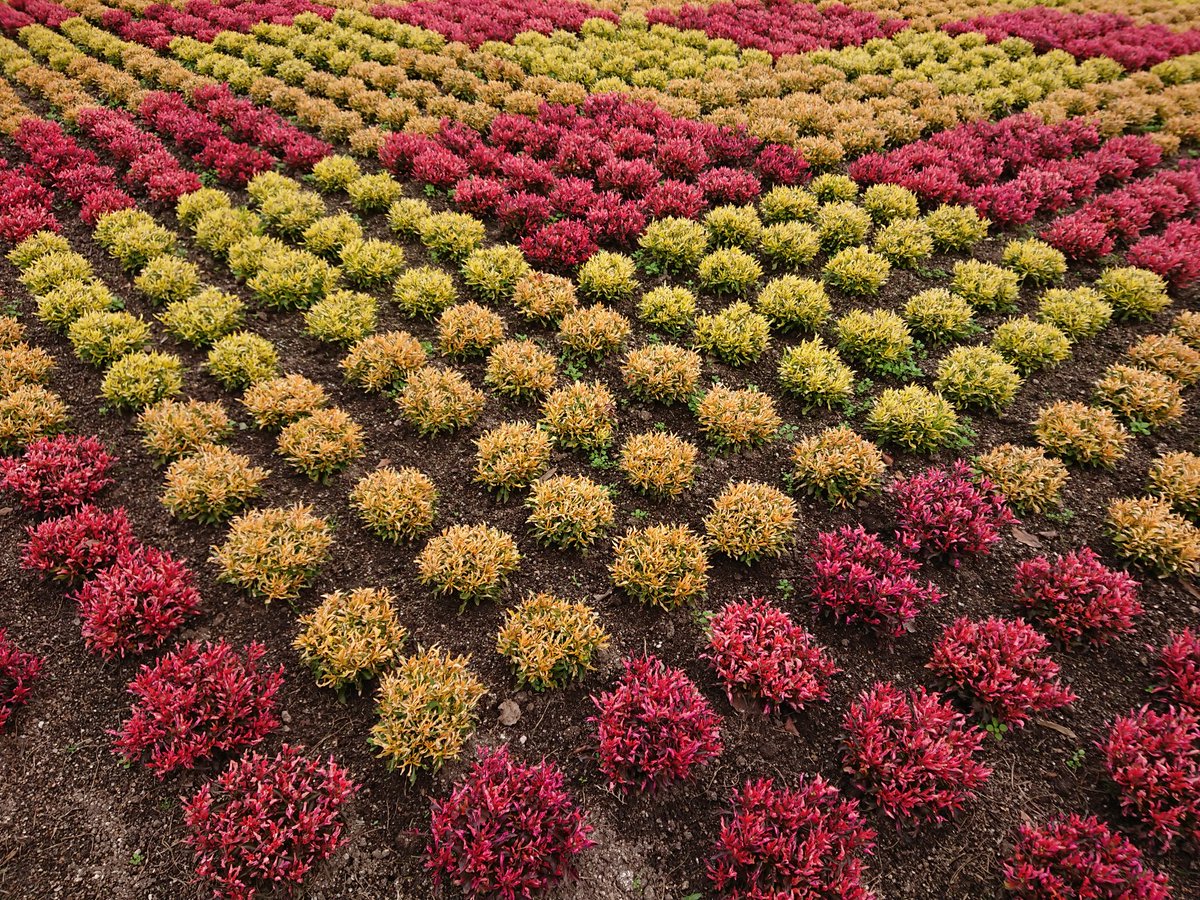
75	823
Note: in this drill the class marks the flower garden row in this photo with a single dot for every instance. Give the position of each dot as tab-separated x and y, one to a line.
696	200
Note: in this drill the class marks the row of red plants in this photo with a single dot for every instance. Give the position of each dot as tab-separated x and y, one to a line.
780	26
27	205
1123	215
492	20
1011	170
204	19
16	14
575	177
1085	35
1174	254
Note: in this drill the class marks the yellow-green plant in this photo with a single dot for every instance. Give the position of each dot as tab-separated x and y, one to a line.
373	193
322	443
100	338
1146	531
662	372
70	300
329	234
1167	355
424	292
542	297
787	204
670	309
737	419
239	360
814	374
205	318
838	465
1034	261
370	263
856	270
915	419
27	413
132	238
1145	399
137	380
1031	345
1028	479
190	207
607	277
520	369
273	553
1175	477
977	376
22	365
593	332
985	286
660	565
659	463
341	317
878	340
672	245
406	215
511	456
174	428
729	270
211	484
1079	313
352	637
471	562
569	511
291	279
831	188
956	229
55	269
468	329
37	245
888	202
383	361
167	279
451	236
732	226
789	245
396	505
791	302
334	173
1134	293
841	225
1079	433
493	272
434	400
580	416
736	335
550	641
750	520
904	243
426	711
939	317
219	230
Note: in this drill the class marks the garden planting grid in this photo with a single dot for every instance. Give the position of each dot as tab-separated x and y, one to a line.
735	162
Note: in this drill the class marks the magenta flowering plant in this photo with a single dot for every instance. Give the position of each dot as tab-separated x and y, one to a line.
72	547
1177	669
58	474
18	670
1076	597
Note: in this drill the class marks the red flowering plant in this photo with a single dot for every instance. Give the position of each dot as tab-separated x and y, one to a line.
858	578
479	196
18	669
654	728
1174	254
1079	856
912	753
1177	669
136	603
196	702
57	474
1076	597
559	246
725	184
507	830
398	151
758	651
523	213
944	514
1154	760
781	164
801	842
492	20
265	822
73	547
27	206
1000	667
615	222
